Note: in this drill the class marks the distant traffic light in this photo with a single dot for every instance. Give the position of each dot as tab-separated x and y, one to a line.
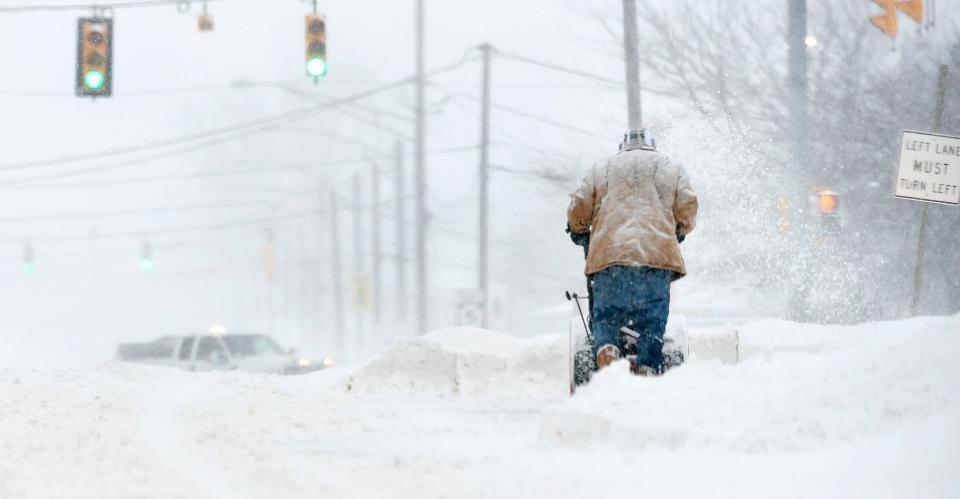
828	202
783	207
316	40
29	267
146	257
829	216
95	57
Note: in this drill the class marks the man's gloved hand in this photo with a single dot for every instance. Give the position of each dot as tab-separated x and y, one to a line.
680	238
580	239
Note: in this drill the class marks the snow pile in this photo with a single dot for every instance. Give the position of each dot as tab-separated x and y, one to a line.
797	387
468	361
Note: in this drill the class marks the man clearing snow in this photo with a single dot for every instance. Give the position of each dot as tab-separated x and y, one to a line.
636	208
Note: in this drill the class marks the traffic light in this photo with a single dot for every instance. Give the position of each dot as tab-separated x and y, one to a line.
828	202
829	217
316	39
783	207
205	23
95	57
146	257
29	267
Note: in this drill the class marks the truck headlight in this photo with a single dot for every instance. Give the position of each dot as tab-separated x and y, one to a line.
303	362
328	362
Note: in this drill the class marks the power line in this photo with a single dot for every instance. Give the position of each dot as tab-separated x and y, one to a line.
130	212
116	5
166	178
232	132
177	230
534	117
557	67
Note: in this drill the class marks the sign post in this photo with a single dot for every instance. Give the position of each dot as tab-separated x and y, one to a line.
929	171
470	308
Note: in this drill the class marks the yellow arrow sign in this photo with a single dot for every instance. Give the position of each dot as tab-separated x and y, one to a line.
888	21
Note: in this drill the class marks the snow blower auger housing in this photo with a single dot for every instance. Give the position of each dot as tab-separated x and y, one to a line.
582	363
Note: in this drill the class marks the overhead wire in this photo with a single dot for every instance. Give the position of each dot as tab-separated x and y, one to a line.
556	67
531	116
134	212
233	132
214	174
133	4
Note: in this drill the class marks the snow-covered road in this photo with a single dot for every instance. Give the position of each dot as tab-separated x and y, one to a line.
810	411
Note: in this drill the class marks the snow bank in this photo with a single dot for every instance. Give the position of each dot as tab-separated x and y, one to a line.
796	387
468	361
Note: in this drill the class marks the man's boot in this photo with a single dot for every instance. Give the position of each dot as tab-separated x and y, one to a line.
608	354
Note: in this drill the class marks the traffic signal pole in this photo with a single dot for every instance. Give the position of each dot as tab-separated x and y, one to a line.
401	236
797	81
922	236
337	289
358	277
421	184
484	194
377	252
631	56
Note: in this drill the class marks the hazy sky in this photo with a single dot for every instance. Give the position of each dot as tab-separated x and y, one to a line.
172	81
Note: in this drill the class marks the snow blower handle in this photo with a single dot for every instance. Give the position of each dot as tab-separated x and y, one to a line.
575	298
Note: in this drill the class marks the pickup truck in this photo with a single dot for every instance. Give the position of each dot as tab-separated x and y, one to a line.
256	353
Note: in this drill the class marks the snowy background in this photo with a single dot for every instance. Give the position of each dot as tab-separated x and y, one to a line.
810	411
838	392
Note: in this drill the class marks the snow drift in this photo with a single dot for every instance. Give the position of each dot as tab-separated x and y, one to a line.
797	387
468	361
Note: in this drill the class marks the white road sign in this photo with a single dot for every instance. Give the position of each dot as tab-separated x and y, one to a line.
929	168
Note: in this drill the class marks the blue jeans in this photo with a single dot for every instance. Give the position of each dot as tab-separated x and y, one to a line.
637	295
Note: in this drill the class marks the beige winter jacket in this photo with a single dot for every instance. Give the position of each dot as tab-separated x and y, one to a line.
634	205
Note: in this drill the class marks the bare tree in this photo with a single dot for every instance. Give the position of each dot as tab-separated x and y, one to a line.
727	61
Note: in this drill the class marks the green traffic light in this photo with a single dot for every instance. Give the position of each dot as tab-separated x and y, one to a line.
29	268
146	264
93	80
317	67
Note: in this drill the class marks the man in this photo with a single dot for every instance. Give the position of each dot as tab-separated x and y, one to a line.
636	208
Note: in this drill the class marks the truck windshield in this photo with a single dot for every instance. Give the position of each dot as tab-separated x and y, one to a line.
249	345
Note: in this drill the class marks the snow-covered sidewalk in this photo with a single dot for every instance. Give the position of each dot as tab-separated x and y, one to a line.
810	411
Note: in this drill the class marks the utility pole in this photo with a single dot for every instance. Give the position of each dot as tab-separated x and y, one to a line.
375	283
323	231
797	81
421	180
922	238
401	237
484	195
358	278
631	55
337	289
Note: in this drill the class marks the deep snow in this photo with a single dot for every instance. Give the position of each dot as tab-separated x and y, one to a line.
810	411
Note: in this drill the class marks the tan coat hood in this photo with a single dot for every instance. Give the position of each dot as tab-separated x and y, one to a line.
634	205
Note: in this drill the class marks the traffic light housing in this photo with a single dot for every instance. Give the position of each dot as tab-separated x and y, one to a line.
827	204
29	266
146	257
95	57
316	46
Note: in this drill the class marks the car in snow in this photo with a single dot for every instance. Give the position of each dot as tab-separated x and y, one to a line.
256	353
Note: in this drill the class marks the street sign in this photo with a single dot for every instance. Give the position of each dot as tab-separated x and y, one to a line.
929	168
469	308
362	290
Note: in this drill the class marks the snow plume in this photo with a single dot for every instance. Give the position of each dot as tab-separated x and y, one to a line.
759	228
